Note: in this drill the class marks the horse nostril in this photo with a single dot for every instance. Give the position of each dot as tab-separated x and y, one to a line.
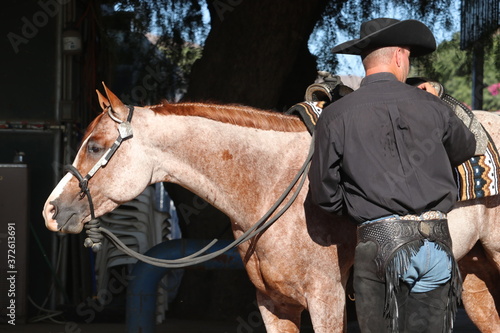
53	210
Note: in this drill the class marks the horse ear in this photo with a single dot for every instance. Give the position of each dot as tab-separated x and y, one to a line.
116	105
103	101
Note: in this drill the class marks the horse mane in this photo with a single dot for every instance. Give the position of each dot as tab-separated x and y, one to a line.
234	114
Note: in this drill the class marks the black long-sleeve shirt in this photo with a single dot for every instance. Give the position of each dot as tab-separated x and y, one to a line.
387	148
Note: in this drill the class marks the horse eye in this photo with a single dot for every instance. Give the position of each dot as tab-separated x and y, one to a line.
94	149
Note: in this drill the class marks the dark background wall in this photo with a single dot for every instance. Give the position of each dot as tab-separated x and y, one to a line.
27	111
47	100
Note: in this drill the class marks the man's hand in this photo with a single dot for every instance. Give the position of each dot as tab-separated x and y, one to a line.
428	87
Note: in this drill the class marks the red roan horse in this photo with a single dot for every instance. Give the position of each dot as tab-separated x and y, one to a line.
240	160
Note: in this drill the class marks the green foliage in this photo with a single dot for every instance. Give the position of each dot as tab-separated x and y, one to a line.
342	19
452	67
154	44
183	57
180	20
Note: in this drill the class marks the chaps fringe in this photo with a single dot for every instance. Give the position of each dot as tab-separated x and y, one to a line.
395	269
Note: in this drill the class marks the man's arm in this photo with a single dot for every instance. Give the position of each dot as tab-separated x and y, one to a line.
458	140
324	174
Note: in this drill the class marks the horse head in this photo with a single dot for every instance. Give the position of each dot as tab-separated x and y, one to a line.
109	180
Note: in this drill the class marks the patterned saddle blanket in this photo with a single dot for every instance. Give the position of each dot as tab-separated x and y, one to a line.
476	178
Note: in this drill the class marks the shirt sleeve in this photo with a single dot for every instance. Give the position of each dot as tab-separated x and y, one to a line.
324	174
458	140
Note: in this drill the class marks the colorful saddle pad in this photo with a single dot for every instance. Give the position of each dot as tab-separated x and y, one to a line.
479	176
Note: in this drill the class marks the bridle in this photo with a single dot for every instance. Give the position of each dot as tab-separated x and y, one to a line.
95	231
124	132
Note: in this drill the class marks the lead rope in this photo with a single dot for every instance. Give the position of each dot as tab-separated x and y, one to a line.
93	227
260	226
95	231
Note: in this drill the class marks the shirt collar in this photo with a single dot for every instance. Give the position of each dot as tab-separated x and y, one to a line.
383	76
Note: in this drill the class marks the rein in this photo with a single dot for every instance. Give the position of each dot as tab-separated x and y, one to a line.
95	231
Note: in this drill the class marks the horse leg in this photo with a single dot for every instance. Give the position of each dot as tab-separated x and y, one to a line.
328	316
481	292
279	317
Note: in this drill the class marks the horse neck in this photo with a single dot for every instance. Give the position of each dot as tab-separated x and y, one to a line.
236	169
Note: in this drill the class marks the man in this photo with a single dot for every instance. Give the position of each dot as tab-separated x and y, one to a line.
384	155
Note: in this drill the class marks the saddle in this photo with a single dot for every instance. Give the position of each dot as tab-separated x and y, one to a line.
325	90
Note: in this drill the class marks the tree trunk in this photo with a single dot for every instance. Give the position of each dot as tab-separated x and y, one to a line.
257	53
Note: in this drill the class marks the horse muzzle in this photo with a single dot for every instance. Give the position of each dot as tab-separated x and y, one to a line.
59	219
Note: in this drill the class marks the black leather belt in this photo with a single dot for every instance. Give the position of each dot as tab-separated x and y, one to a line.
391	234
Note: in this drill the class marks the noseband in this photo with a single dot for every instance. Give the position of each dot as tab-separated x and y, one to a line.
124	132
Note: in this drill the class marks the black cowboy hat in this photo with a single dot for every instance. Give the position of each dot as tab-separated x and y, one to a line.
382	32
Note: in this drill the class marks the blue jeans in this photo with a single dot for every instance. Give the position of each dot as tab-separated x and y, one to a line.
429	268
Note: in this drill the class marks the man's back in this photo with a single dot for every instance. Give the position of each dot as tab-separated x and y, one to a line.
393	143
